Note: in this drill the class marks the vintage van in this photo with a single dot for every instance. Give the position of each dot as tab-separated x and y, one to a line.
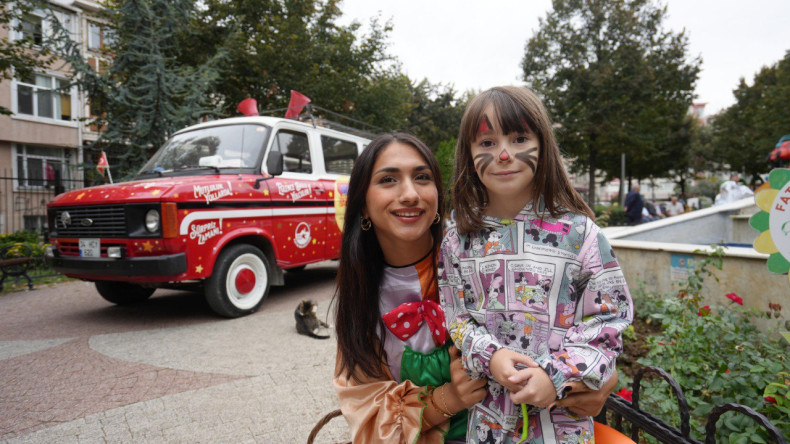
226	205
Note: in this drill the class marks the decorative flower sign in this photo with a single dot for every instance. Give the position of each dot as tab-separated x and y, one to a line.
773	221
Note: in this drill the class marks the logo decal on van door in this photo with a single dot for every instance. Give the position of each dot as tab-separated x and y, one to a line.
302	235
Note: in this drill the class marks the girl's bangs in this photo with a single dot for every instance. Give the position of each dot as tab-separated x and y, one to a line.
511	116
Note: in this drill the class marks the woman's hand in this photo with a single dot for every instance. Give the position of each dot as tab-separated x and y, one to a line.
585	401
463	392
538	390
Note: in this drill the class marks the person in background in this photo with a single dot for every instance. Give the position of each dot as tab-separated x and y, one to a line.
633	206
675	208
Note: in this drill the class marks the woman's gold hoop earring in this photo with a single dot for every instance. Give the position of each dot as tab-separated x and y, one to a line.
437	219
365	223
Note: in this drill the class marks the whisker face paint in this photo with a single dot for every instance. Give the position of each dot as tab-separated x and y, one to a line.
530	157
482	161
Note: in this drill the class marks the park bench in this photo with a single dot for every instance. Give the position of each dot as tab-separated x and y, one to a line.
14	262
641	421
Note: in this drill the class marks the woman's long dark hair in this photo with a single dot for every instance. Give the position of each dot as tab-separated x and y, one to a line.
358	318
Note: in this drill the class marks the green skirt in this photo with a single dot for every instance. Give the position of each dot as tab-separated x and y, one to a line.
433	368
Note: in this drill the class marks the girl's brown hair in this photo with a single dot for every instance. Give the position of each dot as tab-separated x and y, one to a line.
513	108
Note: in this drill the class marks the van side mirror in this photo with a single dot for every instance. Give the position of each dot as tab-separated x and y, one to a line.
274	165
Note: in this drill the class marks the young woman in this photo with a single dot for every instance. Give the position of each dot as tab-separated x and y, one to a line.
397	379
551	323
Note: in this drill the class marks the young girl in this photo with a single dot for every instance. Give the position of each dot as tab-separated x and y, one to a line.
397	379
510	180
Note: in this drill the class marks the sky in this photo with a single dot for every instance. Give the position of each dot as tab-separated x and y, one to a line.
477	45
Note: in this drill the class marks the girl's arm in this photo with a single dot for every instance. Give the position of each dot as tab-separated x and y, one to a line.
477	345
384	411
592	345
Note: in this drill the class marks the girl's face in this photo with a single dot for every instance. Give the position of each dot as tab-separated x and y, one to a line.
401	202
505	163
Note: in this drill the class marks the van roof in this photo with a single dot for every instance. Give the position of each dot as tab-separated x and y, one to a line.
273	121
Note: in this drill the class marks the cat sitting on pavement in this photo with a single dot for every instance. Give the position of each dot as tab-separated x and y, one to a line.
307	322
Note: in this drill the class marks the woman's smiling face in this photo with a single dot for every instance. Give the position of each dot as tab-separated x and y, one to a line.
401	202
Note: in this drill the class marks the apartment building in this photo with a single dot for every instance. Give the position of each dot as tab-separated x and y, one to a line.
41	143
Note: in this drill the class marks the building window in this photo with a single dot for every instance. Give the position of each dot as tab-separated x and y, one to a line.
31	27
98	36
339	155
41	166
44	96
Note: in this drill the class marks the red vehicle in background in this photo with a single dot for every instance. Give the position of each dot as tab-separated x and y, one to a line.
228	205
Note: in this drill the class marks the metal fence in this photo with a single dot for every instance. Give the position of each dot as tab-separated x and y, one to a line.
23	201
628	417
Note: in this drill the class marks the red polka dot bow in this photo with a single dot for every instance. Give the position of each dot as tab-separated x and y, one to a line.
404	320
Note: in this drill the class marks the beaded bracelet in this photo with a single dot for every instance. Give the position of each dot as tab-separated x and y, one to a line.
444	403
443	413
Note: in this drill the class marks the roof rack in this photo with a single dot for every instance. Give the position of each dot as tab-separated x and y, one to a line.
316	115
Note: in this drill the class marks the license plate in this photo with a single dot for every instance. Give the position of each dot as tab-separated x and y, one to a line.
90	247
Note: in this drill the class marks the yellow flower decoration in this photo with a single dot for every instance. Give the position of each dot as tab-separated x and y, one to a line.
773	221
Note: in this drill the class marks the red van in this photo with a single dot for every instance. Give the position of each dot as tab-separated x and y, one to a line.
228	204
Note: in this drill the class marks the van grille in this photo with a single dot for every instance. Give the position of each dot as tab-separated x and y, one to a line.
105	221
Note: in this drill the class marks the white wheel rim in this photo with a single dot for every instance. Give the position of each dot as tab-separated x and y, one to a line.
243	263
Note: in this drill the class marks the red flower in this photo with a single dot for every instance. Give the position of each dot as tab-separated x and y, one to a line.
735	298
728	370
704	311
770	399
626	394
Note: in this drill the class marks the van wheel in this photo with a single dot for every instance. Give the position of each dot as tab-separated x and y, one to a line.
239	283
123	293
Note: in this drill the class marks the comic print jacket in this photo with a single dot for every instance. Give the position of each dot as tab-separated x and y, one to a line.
550	288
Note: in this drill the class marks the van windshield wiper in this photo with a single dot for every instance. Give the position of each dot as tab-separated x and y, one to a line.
201	167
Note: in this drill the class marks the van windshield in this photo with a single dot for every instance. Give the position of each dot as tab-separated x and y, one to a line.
228	146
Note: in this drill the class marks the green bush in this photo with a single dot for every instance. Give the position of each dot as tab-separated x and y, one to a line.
610	216
716	355
33	239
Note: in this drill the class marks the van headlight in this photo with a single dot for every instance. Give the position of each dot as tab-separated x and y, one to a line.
152	221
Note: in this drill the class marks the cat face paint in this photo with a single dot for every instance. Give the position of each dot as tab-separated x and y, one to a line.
485	126
506	165
530	157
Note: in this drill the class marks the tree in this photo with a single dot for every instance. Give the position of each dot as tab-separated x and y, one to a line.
275	46
745	133
146	94
614	80
21	58
436	113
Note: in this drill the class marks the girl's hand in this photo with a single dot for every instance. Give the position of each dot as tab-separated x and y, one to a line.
463	392
538	389
503	366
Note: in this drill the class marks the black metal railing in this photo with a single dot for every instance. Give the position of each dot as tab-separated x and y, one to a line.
23	201
643	423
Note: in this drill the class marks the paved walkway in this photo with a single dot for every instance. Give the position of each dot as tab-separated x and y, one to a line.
74	368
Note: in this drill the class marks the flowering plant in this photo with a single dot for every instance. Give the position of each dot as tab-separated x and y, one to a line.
717	355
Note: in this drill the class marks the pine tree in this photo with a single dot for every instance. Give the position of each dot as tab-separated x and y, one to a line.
146	94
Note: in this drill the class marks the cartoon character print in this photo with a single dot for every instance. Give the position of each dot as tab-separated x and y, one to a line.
493	243
487	432
532	291
605	304
573	434
622	303
556	230
505	327
476	249
498	398
495	293
567	314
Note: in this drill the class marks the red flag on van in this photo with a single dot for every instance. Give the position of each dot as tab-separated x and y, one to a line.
297	103
248	107
103	164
